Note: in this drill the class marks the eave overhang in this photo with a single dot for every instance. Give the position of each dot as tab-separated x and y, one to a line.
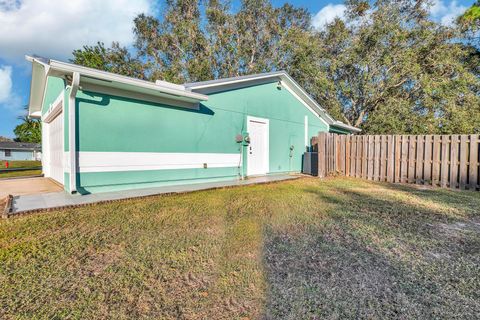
91	78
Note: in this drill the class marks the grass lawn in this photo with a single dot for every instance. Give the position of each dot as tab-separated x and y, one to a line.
305	249
20	164
25	173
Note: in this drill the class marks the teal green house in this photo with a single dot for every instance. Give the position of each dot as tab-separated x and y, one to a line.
105	132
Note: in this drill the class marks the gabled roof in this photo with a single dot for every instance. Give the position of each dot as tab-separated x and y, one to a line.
42	68
248	80
189	93
19	145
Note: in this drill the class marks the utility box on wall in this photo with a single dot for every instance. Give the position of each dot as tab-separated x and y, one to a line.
310	163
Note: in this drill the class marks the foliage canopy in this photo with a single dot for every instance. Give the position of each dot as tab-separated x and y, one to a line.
386	67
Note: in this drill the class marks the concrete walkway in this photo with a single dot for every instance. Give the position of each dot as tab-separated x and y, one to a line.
24	186
25	203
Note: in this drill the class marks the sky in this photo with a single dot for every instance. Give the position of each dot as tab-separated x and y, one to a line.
54	28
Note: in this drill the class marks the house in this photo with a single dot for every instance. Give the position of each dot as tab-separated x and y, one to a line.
11	151
129	133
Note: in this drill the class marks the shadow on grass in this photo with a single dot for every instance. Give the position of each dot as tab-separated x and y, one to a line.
378	256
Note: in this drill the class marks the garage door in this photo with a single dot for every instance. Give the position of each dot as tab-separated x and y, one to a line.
55	143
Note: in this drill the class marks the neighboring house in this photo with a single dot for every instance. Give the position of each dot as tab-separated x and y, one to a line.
130	133
11	151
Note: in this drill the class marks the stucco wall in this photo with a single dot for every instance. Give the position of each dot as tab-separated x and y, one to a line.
125	126
113	124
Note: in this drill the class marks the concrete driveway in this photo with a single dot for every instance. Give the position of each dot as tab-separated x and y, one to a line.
18	187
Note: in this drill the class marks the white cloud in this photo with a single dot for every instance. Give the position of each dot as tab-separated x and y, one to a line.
8	99
53	28
446	13
5	83
327	14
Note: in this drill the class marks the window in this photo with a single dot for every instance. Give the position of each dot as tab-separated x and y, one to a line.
8	153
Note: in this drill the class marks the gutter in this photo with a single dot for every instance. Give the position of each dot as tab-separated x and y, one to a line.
339	124
72	131
112	77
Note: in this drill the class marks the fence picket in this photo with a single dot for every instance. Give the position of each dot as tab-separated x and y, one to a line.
453	161
436	160
419	160
404	160
427	161
444	164
353	155
358	159
371	150
463	161
412	149
376	159
383	157
473	162
364	156
391	159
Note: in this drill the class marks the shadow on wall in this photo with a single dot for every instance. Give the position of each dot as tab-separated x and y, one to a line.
376	255
103	100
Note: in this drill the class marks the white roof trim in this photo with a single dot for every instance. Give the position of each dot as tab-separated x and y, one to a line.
42	68
108	76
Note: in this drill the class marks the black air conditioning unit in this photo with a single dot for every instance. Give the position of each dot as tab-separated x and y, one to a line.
310	163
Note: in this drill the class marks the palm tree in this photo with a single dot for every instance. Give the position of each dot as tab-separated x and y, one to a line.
30	130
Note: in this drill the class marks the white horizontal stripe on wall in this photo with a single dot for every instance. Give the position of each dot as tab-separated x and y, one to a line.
137	161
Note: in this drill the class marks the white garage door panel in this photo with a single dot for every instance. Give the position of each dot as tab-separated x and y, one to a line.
55	133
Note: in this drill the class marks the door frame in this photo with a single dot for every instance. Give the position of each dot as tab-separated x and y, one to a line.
266	154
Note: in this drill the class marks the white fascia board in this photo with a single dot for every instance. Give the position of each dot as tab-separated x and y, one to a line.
38	86
228	81
108	76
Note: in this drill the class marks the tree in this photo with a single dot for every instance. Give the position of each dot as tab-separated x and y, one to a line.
470	20
391	69
469	24
184	44
387	67
30	130
115	59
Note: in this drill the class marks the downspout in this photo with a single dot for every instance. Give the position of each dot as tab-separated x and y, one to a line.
72	131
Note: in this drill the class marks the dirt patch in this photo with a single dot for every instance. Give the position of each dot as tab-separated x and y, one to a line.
458	228
99	261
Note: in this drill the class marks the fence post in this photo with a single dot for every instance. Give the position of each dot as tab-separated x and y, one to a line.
321	154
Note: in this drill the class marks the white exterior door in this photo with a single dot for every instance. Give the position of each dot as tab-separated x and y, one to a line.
258	150
55	149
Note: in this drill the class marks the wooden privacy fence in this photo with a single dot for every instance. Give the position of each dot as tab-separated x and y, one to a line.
438	160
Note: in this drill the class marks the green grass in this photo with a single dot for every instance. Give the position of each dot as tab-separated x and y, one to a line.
20	164
306	249
24	173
